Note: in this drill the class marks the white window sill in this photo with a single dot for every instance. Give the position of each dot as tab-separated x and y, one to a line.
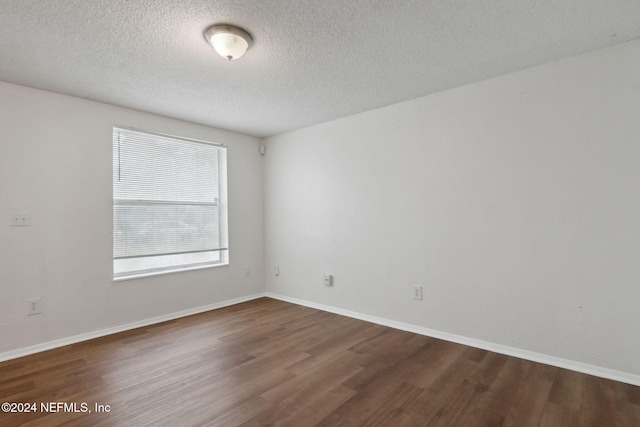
163	272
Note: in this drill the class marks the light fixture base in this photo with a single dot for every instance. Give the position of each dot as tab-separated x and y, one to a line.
229	41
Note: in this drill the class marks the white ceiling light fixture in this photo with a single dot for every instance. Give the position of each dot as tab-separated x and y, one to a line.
230	42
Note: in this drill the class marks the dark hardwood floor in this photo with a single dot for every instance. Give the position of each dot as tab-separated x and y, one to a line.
267	362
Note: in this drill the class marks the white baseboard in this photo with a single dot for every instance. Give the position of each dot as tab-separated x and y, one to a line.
485	345
25	351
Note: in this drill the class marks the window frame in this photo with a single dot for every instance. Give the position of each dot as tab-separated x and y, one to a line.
221	203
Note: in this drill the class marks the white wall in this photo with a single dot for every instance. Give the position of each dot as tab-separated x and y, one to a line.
514	202
55	162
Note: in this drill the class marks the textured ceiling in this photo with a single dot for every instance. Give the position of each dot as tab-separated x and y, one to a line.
312	60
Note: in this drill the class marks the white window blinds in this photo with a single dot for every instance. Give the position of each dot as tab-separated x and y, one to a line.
167	203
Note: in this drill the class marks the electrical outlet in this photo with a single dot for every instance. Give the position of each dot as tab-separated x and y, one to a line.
247	271
276	270
417	292
34	306
327	279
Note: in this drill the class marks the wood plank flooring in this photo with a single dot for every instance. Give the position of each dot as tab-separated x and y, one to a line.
267	362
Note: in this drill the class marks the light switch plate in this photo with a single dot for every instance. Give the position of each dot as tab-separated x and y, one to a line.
20	219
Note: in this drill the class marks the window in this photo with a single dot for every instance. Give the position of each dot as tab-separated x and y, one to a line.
169	204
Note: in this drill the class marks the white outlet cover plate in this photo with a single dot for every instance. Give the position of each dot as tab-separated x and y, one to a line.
34	306
417	292
327	279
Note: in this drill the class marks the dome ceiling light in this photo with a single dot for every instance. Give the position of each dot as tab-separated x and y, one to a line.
230	42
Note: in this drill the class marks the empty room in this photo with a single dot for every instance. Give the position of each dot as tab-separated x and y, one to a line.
319	213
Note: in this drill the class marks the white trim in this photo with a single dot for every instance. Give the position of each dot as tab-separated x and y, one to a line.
166	135
25	351
485	345
169	270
